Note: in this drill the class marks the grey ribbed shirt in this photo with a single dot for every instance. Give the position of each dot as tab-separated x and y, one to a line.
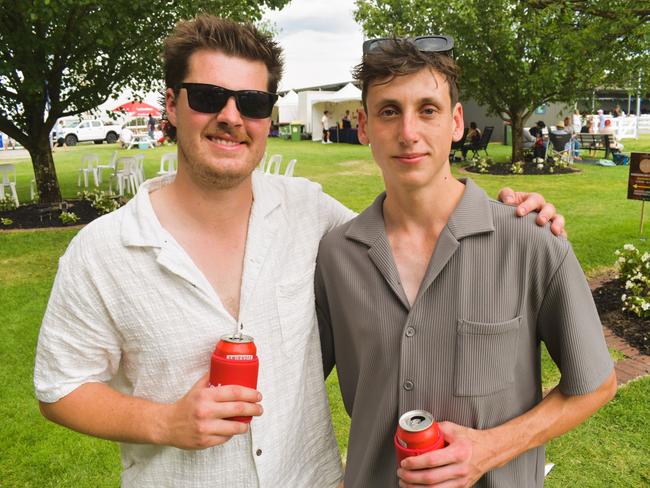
468	350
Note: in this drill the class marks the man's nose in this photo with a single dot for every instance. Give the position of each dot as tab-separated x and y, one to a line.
230	114
408	128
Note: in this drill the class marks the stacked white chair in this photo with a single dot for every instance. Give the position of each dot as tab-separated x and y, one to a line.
262	163
126	176
110	166
273	164
167	164
290	167
139	171
8	181
89	164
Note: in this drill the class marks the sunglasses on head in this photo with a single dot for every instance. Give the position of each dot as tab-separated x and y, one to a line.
426	44
210	99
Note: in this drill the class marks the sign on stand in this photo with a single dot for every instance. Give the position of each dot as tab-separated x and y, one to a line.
638	183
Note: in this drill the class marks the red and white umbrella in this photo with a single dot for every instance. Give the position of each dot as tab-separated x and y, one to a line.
137	109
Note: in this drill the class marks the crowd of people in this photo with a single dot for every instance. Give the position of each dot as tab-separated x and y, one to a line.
536	141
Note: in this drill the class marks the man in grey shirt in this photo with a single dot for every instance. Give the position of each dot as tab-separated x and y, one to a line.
438	298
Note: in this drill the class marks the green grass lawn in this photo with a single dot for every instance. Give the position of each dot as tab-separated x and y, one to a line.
611	449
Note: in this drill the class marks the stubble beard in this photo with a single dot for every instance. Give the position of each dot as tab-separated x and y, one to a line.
211	177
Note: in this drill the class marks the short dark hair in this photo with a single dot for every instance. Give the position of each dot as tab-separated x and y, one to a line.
232	38
473	125
401	57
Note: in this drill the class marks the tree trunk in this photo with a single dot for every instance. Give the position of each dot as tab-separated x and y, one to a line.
47	183
517	123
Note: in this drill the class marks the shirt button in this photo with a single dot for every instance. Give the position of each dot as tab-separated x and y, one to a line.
410	331
258	452
408	385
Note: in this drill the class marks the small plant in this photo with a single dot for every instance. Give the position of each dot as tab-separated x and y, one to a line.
7	204
69	218
103	202
634	271
517	168
6	221
482	164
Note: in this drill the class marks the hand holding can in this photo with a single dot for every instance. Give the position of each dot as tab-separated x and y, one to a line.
235	362
416	434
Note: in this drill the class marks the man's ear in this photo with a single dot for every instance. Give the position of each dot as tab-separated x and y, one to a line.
170	105
363	121
459	124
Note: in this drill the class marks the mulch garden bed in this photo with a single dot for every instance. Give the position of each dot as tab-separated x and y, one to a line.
629	327
36	216
529	169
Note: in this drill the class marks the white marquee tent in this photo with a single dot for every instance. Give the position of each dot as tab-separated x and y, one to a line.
347	98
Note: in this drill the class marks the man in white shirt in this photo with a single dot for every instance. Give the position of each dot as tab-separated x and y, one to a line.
143	294
325	124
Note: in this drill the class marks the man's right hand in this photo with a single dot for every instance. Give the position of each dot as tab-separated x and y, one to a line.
198	420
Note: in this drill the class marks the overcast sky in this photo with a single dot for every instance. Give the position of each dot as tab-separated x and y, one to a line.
321	41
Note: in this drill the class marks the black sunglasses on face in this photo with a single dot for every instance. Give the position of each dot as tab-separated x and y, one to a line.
210	99
427	44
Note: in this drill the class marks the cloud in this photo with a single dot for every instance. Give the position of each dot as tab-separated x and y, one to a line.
321	40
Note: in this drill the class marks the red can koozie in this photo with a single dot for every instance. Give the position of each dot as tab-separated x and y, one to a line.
416	434
234	362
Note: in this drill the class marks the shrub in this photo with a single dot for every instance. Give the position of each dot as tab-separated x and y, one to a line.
634	271
6	204
69	217
103	202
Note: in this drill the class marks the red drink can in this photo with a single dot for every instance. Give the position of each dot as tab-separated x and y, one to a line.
234	362
416	434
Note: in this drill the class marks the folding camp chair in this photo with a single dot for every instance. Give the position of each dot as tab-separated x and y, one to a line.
559	146
457	145
483	143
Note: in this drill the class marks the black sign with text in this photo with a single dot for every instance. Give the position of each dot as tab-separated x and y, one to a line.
638	183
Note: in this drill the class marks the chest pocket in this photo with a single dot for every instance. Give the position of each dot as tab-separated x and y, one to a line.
486	357
297	314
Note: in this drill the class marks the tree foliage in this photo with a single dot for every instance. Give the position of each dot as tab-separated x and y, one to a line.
64	57
516	55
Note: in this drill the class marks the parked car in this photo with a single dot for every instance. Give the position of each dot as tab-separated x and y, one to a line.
73	131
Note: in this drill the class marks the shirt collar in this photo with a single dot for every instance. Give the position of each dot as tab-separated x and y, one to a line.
472	216
141	227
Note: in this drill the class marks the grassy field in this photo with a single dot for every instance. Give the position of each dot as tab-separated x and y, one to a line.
610	449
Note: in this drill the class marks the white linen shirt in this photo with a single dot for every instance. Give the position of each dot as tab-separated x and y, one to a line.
129	307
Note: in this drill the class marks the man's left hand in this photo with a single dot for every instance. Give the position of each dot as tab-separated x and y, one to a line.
459	464
528	202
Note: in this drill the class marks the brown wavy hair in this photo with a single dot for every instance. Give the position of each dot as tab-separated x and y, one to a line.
401	57
206	31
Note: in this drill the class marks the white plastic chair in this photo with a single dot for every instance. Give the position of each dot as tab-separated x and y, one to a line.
167	164
8	172
290	167
89	164
273	164
139	171
126	176
110	166
262	163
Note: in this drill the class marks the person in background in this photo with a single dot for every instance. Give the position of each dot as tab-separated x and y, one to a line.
574	144
473	138
576	121
126	136
601	119
325	124
614	143
346	120
151	127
